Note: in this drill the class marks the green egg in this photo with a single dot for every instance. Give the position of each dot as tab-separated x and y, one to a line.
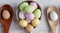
22	5
37	13
29	9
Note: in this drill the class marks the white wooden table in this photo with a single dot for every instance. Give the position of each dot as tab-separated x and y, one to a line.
42	28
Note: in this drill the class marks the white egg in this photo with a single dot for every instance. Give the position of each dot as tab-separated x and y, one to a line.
53	16
21	15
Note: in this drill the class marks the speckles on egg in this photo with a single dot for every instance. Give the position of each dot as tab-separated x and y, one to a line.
53	16
6	14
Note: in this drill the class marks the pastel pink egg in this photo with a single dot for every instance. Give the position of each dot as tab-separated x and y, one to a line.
34	4
29	16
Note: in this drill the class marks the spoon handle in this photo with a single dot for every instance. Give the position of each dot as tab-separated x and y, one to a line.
53	28
6	29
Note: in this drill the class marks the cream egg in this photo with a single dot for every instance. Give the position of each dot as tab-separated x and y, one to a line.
6	14
53	16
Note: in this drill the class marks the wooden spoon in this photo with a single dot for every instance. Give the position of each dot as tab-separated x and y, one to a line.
6	22
53	24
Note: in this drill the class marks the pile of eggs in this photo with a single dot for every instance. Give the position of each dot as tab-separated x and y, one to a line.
29	15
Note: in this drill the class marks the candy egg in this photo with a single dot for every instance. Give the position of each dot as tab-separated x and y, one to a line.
53	16
28	21
37	13
34	4
29	28
22	5
6	14
29	16
35	22
23	23
29	9
21	15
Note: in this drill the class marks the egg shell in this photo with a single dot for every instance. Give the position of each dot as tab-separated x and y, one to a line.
37	13
28	21
53	16
29	16
29	28
23	23
35	22
6	14
34	4
29	9
21	15
22	5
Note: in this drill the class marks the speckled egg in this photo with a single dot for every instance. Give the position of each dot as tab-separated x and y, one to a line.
22	5
34	4
53	16
21	15
23	23
29	9
29	16
37	13
35	22
6	14
29	28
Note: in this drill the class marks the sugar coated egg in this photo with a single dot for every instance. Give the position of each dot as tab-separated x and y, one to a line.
22	5
29	16
35	22
29	9
21	15
34	4
53	16
37	13
29	28
23	23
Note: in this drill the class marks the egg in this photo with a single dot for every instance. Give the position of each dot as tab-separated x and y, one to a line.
28	21
6	14
35	22
37	13
53	16
29	16
29	28
22	5
34	4
23	23
21	15
29	9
